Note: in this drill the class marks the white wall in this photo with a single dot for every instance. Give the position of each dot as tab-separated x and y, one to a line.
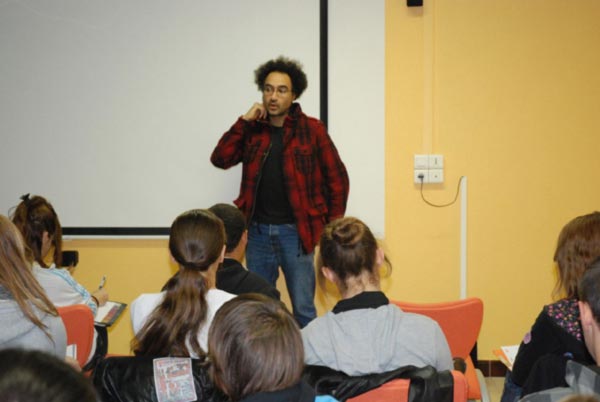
111	109
357	104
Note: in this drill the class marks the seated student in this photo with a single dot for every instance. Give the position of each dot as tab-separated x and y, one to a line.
557	330
147	378
27	318
28	376
255	349
364	333
580	378
232	277
175	322
39	224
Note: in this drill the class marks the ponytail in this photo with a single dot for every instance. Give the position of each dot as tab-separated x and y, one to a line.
175	323
196	242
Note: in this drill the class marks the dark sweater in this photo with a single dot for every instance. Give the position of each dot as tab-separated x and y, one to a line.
554	339
232	277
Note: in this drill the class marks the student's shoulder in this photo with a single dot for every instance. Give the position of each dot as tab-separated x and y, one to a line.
318	326
566	306
147	299
53	275
218	296
412	318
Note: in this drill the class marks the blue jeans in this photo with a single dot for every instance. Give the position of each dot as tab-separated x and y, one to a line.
511	391
274	246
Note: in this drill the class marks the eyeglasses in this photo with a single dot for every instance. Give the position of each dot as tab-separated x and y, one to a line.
268	90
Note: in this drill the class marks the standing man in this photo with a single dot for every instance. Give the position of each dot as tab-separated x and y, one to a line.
293	181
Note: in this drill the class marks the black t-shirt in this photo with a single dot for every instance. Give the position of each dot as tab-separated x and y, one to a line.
272	205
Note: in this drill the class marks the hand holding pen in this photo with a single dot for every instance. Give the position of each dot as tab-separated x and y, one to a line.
101	295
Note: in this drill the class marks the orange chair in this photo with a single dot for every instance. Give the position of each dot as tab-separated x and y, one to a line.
79	323
460	321
397	391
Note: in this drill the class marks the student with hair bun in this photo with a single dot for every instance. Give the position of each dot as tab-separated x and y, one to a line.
365	333
175	321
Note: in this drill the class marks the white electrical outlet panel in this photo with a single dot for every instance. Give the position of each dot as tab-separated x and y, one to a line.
421	175
428	168
421	161
435	175
436	162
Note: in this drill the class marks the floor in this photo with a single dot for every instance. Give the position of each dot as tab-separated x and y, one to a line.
494	386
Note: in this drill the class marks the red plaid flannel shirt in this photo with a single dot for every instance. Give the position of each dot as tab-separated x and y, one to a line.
315	177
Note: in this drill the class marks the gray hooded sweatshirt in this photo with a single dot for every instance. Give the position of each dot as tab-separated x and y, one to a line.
17	331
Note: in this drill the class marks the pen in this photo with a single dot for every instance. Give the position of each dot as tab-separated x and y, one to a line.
102	282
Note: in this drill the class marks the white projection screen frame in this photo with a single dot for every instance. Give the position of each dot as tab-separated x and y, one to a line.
111	109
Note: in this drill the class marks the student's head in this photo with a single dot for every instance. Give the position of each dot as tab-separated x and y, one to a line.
38	222
197	244
234	221
348	249
589	307
32	376
578	245
16	276
255	346
196	240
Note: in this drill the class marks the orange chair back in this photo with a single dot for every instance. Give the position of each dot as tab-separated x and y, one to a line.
397	391
79	324
460	321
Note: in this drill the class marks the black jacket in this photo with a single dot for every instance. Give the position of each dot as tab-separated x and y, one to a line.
131	379
426	383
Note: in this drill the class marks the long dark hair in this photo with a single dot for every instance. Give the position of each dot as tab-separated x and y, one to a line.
196	242
34	216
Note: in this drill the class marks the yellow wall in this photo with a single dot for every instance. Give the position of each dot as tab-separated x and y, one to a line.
131	267
513	106
515	109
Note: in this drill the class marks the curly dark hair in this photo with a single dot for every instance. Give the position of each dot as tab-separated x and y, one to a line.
285	65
